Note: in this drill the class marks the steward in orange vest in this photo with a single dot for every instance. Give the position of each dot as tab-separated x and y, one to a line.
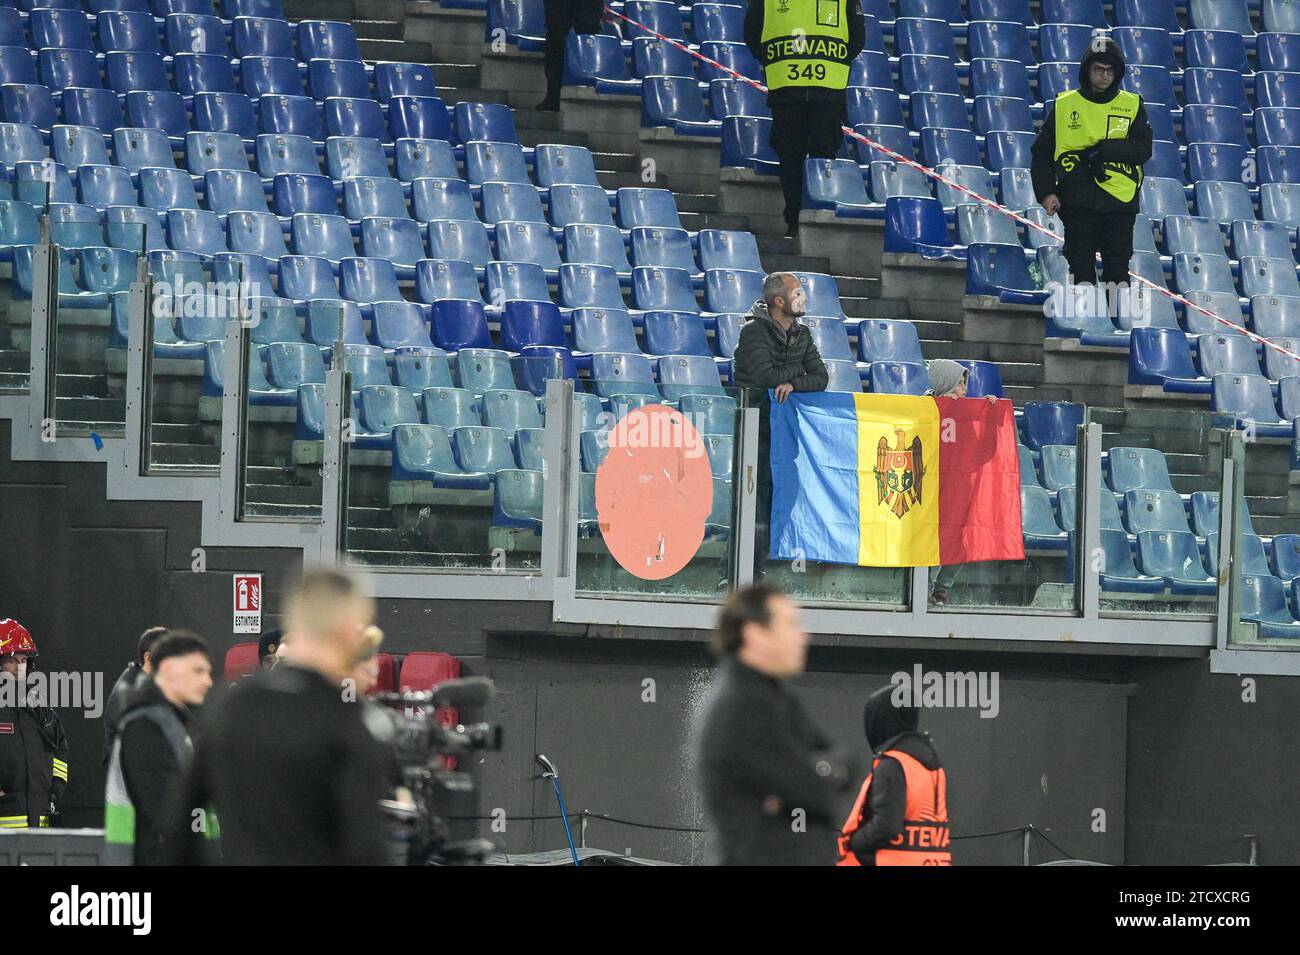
901	814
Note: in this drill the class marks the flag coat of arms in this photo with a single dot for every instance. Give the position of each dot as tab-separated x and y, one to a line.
894	480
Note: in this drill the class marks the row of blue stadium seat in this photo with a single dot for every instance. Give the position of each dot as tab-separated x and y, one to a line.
161	8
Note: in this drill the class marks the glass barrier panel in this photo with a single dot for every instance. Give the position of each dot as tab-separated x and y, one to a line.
89	395
187	319
15	300
445	458
656	466
1265	560
283	410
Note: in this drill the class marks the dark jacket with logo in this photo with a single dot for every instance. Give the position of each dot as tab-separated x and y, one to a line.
1079	189
31	739
817	94
152	769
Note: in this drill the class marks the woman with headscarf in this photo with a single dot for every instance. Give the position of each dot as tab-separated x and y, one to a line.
948	379
901	814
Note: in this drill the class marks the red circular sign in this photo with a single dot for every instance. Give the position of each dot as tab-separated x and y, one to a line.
654	491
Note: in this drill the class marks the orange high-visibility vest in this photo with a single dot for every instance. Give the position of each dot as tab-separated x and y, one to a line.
925	837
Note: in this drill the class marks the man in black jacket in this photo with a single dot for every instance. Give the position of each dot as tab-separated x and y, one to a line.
580	16
120	698
762	767
154	748
774	351
805	48
1087	165
284	759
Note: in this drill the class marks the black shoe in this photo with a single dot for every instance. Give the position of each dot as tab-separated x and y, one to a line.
792	231
549	105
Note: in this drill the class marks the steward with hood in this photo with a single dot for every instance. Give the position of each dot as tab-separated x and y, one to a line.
901	814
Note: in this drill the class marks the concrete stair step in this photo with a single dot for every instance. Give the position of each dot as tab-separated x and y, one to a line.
378	29
394	48
458	75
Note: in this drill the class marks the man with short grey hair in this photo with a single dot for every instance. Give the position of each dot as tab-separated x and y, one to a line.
775	351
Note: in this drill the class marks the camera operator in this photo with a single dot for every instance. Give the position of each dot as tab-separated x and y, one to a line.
285	760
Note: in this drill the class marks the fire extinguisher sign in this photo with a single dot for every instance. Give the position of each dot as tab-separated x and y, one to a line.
248	603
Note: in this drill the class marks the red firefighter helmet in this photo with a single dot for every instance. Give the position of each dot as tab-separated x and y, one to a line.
14	638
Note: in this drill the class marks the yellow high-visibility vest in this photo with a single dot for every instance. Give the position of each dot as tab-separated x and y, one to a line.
805	43
1081	124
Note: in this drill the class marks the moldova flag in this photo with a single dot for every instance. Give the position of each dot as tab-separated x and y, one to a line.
894	480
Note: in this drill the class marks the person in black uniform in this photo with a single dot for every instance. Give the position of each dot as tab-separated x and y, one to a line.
33	746
805	86
123	692
580	16
763	768
285	760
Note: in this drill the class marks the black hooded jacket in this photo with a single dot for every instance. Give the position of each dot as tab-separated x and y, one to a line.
1078	188
888	727
152	770
119	701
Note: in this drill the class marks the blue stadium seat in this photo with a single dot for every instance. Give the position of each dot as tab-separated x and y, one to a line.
422	367
485	122
675	333
366	280
323	329
17	65
1002	271
589	286
1176	557
922	36
843	376
93	107
327	38
1206	518
441	199
29	104
399	325
484	369
928	74
837	184
225	113
418	158
211	73
135	149
374	196
1154	509
396	239
350	156
465	239
717	21
323	235
663	290
1133	468
269	76
1278	126
260	391
681	375
60	29
35	182
711	414
294	194
898	378
359	118
1161	356
162	110
519	281
596	245
1253	559
917	225
1264	603
165	189
233	190
603	330
206	151
531	323
668	248
1222	354
1269	276
290	364
830	337
418	117
1227	15
291	116
882	340
195	230
1146	45
723	249
652	56
1165	163
980	223
732	290
1286	556
614	373
895	138
191	33
274	320
261	36
342	78
1008	79
1193	235
458	323
1223	304
1118	573
1226	201
436	279
528	242
257	233
130	227
1214	87
1249	399
560	164
304	278
102	186
403	79
675	102
579	204
746	142
647	207
450	407
127	71
1051	422
253	269
495	162
510	410
733	56
1152	83
1280	367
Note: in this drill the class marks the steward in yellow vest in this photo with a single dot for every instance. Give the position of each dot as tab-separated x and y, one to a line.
1087	165
806	49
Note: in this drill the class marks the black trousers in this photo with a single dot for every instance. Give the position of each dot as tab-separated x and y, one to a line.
803	129
581	16
1089	232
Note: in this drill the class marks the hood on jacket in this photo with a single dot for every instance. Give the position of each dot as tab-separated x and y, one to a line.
945	375
882	720
758	310
1106	51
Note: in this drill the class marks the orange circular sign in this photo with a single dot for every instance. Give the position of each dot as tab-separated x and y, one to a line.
654	491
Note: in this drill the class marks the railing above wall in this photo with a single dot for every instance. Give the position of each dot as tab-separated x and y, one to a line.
411	509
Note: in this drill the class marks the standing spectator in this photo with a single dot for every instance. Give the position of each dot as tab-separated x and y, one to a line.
153	749
901	813
121	695
775	351
805	48
285	759
33	746
580	16
948	379
761	764
268	648
1087	165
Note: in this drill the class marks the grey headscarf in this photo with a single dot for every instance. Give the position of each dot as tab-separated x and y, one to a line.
945	375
